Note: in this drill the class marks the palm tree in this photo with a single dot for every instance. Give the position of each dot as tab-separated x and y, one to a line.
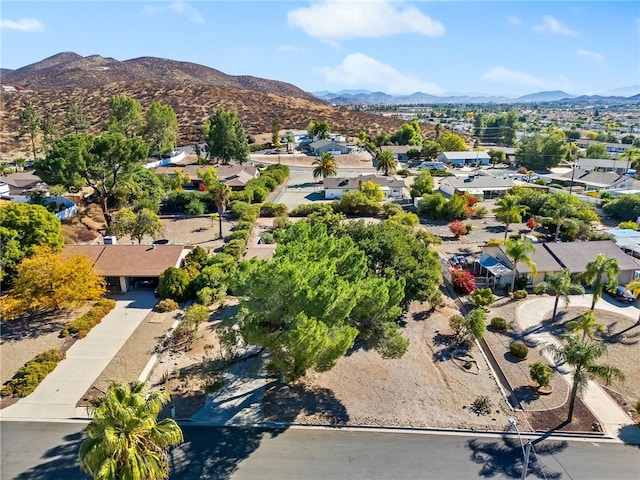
509	211
325	166
582	355
125	439
585	325
632	155
561	285
220	192
559	207
596	271
386	162
519	251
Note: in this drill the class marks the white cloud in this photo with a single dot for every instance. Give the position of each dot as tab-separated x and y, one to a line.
552	25
179	8
514	78
289	49
342	20
23	25
513	20
362	71
598	57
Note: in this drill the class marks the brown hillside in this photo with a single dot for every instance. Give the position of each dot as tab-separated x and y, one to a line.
193	105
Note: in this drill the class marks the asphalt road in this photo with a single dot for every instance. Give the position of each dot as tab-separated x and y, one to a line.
39	451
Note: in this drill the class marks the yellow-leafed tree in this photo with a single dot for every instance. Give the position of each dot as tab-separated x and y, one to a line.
48	281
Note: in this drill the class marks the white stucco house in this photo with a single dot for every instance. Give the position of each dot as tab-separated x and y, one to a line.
393	187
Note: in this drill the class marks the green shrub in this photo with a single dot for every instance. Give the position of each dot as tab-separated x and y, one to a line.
259	195
391	209
628	225
269	209
540	373
404	172
482	297
499	323
267	238
307	209
29	376
479	211
174	283
234	248
198	257
166	305
280	222
241	196
239	208
519	294
82	325
195	207
269	182
251	215
208	295
240	235
518	349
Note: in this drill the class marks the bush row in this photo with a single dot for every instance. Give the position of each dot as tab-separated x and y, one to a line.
238	240
29	376
81	326
257	189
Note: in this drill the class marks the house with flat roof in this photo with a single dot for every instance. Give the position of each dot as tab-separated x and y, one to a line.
603	164
591	180
482	187
124	265
465	158
400	151
328	146
236	176
393	187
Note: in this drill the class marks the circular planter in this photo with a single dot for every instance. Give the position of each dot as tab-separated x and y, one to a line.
548	390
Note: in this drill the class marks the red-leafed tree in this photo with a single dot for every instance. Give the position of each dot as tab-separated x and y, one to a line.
532	223
458	228
463	280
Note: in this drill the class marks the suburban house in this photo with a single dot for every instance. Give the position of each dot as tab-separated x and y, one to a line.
591	180
334	188
465	158
400	151
125	265
236	176
554	257
328	146
603	164
21	182
482	187
628	240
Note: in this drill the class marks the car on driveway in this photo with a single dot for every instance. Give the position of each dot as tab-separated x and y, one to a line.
623	295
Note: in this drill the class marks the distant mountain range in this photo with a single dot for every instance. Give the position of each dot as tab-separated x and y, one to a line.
364	97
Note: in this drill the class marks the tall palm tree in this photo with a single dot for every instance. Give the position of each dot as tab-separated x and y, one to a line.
220	192
519	251
597	271
509	211
561	285
386	162
582	355
125	439
559	207
326	166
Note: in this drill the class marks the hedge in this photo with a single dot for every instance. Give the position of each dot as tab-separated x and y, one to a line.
81	326
29	376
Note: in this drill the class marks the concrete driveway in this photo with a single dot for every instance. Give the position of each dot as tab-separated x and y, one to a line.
56	397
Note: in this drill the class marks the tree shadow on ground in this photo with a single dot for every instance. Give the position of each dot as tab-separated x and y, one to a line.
33	325
526	393
504	457
215	453
494	229
315	196
284	402
630	434
60	462
451	348
623	336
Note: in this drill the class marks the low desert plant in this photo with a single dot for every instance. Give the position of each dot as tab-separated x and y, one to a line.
518	349
540	373
479	211
499	323
29	376
519	294
481	405
628	225
166	305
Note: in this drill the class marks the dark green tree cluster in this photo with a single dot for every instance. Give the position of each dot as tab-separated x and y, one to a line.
624	208
314	299
408	134
541	152
225	137
436	207
499	129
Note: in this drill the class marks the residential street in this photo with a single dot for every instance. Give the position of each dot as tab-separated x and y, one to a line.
39	451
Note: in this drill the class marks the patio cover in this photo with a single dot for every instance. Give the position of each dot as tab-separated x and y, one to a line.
493	265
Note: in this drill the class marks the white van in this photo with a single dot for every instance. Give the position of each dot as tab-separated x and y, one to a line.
432	165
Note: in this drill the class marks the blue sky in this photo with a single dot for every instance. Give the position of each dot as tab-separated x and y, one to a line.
500	47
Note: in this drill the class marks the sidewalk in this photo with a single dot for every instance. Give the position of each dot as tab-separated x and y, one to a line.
529	315
56	397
